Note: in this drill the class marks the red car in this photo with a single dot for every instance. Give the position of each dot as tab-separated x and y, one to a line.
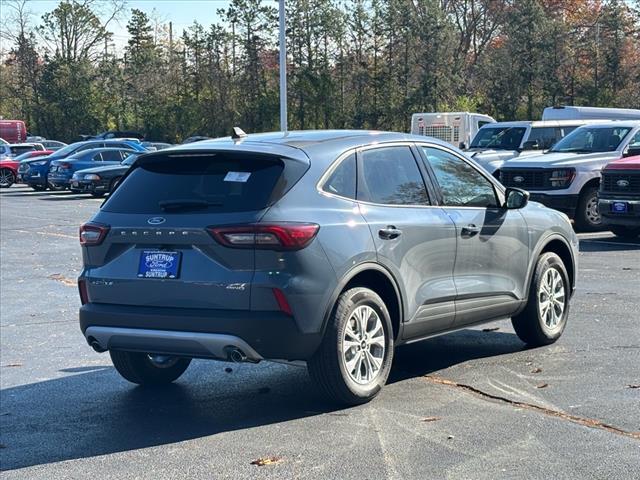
619	197
9	167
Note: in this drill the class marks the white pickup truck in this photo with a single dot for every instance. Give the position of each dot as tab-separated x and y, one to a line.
498	142
567	177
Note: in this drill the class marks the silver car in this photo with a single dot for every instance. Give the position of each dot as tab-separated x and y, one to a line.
330	247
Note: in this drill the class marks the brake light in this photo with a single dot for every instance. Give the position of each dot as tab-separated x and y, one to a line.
82	288
283	304
266	236
93	233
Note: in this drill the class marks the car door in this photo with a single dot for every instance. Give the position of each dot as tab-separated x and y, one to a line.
492	251
414	239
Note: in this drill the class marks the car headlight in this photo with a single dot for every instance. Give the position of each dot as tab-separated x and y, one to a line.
562	177
40	163
92	176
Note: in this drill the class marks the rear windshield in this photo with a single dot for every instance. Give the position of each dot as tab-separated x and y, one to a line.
209	184
20	150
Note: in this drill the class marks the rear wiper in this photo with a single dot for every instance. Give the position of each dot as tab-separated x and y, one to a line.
172	205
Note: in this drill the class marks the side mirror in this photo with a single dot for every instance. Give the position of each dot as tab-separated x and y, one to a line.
631	151
531	145
462	146
515	198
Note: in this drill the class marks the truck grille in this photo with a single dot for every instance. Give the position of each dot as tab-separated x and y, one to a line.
621	182
527	179
441	132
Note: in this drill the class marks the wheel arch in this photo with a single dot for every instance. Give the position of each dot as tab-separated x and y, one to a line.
377	278
560	246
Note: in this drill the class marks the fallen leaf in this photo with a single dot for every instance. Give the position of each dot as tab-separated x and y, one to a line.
62	279
261	462
431	419
490	329
536	370
450	437
542	385
633	386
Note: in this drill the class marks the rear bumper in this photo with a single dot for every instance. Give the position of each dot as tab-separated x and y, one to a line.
197	332
564	203
87	186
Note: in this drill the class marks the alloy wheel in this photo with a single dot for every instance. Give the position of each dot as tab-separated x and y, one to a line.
551	298
363	345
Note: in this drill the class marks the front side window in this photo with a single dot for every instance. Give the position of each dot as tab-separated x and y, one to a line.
391	176
501	138
343	179
591	140
460	183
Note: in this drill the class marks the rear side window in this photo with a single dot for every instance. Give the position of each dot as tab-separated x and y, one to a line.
343	179
391	176
200	184
111	156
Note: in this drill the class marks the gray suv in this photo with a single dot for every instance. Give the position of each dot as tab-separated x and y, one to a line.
330	247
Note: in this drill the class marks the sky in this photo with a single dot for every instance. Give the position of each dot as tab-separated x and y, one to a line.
181	12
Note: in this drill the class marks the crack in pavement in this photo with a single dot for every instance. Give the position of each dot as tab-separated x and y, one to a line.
587	422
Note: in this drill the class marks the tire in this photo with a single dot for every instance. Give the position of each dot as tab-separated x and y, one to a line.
349	376
39	188
141	369
625	232
531	326
98	194
587	216
7	177
114	183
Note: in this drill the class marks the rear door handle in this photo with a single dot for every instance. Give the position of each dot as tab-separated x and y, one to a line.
469	231
389	233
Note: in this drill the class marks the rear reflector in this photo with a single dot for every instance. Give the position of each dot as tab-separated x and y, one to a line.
93	233
266	236
283	304
82	288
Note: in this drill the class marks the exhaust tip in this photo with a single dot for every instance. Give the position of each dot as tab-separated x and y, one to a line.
93	343
236	355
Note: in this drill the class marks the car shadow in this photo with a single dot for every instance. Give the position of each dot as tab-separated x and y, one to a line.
70	196
91	411
608	244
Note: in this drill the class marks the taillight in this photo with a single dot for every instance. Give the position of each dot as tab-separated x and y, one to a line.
93	233
266	236
82	288
283	304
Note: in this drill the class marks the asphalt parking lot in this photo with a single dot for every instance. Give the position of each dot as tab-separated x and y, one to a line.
472	404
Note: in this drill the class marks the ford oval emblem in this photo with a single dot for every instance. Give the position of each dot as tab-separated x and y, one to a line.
622	183
518	179
156	220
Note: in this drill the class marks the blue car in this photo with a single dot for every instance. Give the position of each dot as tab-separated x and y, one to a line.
35	172
61	171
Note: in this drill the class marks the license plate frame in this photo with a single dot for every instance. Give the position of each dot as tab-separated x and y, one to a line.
159	264
620	207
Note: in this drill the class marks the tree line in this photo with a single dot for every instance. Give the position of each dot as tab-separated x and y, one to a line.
351	64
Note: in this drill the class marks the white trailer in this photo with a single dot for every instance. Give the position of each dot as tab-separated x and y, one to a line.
590	113
456	128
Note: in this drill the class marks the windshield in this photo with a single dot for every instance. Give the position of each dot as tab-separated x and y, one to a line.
501	138
65	151
592	139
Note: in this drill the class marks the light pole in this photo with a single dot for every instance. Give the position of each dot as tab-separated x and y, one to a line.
283	68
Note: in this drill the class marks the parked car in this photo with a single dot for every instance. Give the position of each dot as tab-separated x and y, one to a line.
53	144
16	149
456	128
130	134
498	142
153	146
35	172
619	197
9	167
567	177
13	131
61	171
330	247
195	138
589	113
99	181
